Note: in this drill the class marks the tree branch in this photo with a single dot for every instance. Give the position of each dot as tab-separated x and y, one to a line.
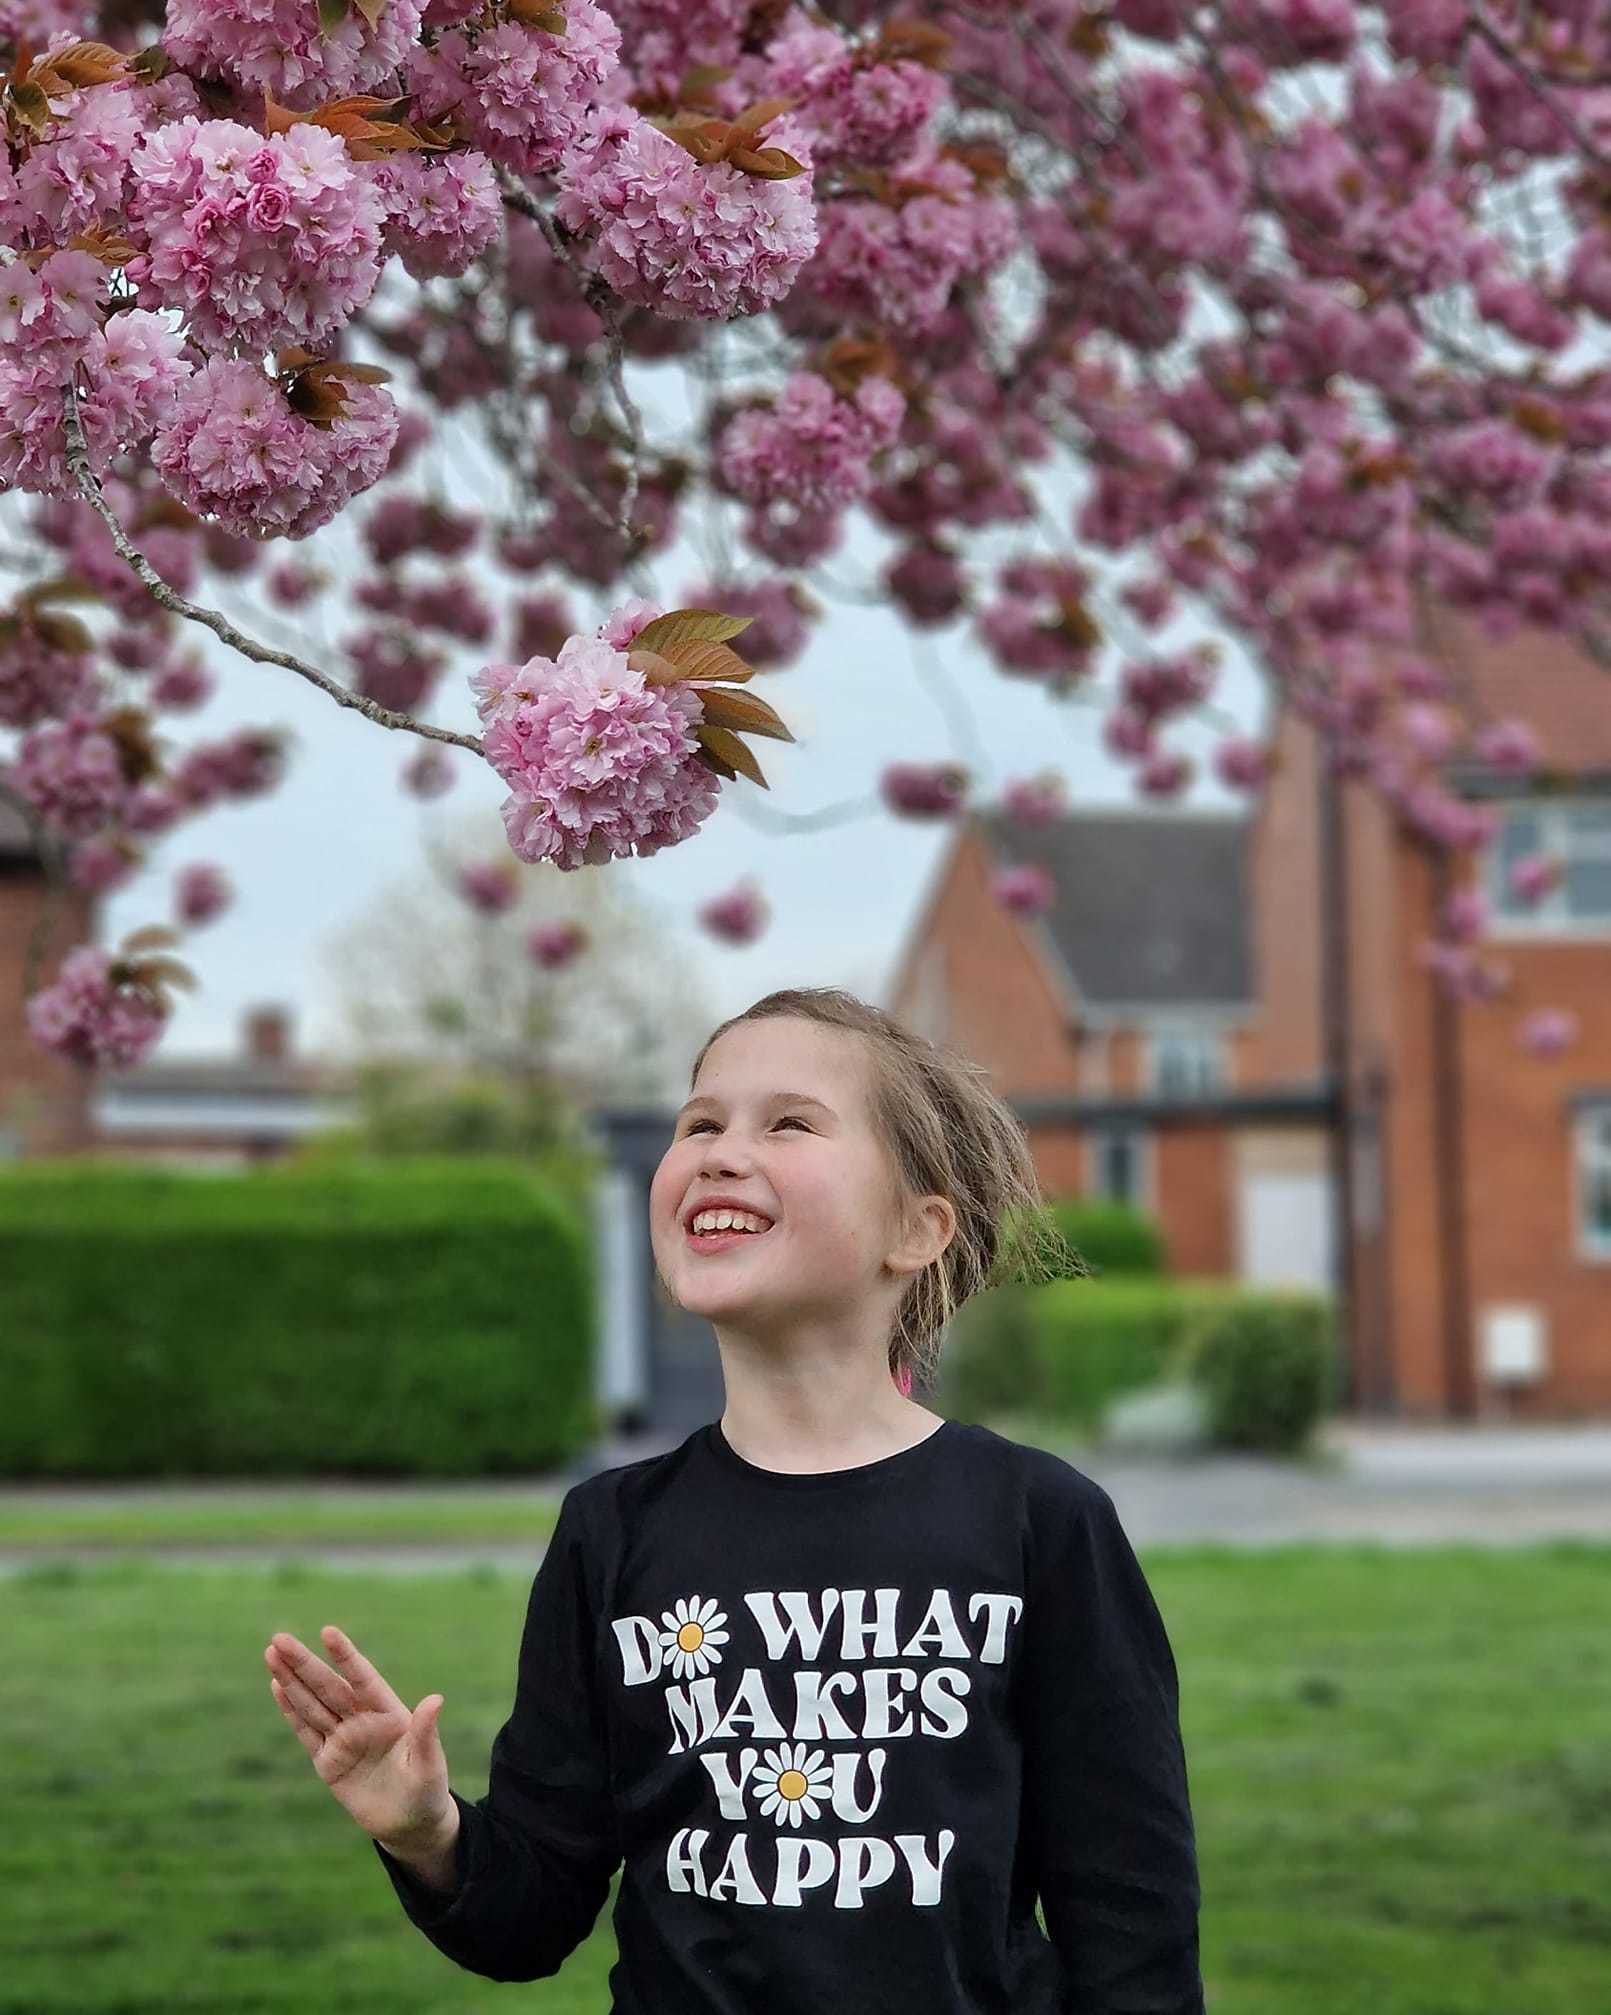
90	489
602	301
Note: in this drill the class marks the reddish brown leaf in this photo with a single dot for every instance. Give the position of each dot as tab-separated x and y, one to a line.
722	743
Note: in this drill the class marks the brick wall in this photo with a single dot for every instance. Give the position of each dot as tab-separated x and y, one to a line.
44	1101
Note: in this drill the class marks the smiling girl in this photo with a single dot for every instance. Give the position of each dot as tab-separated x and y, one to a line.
843	1688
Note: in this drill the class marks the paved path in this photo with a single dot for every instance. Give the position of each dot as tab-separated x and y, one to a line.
1489	1486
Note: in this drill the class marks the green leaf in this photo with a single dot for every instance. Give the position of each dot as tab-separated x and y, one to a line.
332	13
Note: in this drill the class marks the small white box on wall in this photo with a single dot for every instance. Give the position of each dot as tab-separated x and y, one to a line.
1515	1343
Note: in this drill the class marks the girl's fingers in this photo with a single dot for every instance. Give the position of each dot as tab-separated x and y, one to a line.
367	1685
297	1665
308	1706
310	1739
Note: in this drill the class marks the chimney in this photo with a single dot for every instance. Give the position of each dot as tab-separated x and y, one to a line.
268	1034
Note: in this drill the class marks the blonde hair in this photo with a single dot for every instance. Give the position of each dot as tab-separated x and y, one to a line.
946	1133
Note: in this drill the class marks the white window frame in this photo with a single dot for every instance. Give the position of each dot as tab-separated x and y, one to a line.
1549	918
1141	1141
1210	1052
1591	1145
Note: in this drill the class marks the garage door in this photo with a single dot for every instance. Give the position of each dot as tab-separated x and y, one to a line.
1286	1238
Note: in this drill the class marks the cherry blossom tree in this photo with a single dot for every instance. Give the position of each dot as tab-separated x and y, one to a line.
1134	324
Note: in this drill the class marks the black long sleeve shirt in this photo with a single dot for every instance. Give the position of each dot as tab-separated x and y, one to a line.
838	1731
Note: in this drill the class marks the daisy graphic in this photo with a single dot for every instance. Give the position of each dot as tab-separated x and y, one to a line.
787	1779
691	1634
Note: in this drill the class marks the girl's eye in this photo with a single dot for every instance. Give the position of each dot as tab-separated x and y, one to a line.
787	1120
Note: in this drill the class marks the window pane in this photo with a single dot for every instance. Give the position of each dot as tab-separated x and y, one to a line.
1597	1207
1520	835
1588	890
1590	829
1118	1163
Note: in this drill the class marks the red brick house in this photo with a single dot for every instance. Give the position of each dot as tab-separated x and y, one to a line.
1293	1105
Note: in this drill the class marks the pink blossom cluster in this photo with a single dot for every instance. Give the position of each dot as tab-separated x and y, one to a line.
853	109
284	47
520	91
680	237
103	862
202	891
84	543
442	212
400	524
489	886
132	373
243	765
600	764
1242	763
538	625
453	604
43	20
1038	800
813	445
236	448
1548	1032
739	915
260	243
664	39
428	773
1158	687
923	790
554	946
182	685
92	1018
927	581
898	263
71	771
394	667
780	609
1033	625
1024	891
76	174
966	450
41	680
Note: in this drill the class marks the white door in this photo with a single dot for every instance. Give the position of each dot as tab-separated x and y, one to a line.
1286	1228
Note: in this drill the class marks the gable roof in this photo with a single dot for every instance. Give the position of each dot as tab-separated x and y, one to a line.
1152	908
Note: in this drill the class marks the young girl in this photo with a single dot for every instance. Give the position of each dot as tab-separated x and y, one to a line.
840	1685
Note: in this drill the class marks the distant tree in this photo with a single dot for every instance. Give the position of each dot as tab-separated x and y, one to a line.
439	984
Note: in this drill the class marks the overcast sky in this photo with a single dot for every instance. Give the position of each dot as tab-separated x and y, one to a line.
311	857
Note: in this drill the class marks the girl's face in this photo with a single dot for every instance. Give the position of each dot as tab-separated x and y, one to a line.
777	1120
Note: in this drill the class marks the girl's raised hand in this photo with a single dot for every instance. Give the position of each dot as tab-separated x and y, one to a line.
383	1764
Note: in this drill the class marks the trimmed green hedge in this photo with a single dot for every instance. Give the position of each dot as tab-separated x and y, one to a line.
429	1317
1267	1370
1064	1350
1110	1237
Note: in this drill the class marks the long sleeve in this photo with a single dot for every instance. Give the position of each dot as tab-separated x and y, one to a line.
535	1857
1106	1802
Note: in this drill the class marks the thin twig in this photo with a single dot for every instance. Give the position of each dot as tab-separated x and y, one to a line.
90	489
600	298
1485	31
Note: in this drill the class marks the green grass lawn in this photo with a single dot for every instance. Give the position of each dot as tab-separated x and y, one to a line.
1400	1765
291	1517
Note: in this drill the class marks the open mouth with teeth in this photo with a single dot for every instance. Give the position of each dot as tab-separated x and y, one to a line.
729	1234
